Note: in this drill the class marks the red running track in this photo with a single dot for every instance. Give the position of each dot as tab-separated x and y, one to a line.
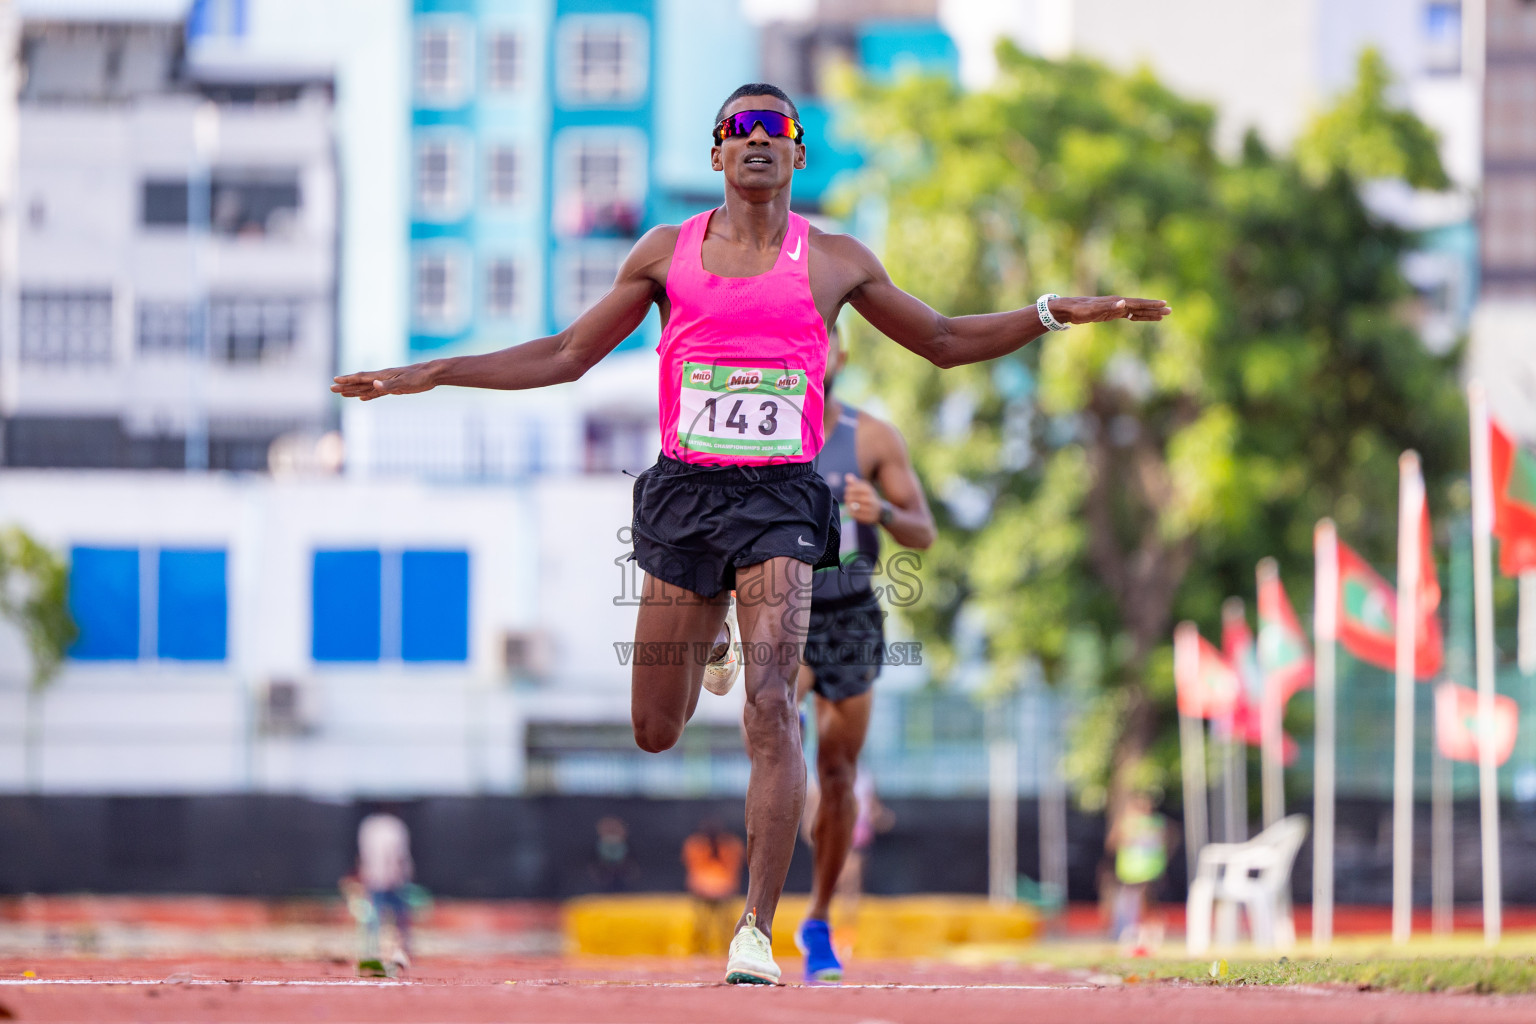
677	992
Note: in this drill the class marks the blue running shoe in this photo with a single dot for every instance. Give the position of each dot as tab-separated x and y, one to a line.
814	939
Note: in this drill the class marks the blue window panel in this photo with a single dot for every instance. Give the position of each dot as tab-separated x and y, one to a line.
192	621
434	606
346	606
104	601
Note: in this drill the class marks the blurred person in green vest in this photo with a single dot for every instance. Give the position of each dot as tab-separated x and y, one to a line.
1139	841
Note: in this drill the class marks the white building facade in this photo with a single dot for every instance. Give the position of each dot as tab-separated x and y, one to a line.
175	291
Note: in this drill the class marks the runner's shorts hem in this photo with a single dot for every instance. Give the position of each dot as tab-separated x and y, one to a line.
845	647
694	526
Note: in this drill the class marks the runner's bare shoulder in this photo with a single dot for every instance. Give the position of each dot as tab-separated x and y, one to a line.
840	246
652	255
879	438
849	263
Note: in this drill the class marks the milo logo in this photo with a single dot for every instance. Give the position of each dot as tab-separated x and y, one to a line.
701	376
744	379
788	382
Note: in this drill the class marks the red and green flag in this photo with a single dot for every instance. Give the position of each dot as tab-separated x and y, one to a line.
1514	501
1457	724
1284	657
1208	687
1368	612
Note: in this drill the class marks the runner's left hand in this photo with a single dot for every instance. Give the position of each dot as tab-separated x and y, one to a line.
862	499
1098	308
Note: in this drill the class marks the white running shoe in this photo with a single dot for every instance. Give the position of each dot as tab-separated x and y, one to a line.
721	671
751	960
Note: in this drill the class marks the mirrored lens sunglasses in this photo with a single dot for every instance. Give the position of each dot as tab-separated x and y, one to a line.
773	122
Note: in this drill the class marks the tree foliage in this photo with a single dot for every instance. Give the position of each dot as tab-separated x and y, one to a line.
1105	482
34	586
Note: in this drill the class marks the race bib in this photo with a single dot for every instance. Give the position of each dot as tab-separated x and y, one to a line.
730	410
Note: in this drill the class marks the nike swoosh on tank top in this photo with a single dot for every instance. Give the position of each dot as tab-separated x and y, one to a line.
743	359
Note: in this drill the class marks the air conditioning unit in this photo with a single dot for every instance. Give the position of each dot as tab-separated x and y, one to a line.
527	653
285	709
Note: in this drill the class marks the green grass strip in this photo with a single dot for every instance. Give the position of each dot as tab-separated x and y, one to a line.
1504	975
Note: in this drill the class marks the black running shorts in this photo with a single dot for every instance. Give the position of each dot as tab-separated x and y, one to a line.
845	645
696	525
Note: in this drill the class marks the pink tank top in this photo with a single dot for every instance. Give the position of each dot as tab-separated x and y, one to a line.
743	359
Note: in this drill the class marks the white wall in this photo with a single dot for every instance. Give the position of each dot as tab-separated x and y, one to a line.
165	726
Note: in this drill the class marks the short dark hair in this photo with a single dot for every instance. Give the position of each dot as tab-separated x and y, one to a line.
758	89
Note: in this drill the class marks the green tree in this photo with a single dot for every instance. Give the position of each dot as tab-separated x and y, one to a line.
34	598
1105	482
34	589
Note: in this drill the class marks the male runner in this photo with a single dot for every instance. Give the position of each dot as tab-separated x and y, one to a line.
865	462
734	501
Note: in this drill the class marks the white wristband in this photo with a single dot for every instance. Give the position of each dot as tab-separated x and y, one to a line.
1043	307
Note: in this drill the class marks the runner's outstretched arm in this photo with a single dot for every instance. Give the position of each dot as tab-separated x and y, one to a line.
553	360
955	341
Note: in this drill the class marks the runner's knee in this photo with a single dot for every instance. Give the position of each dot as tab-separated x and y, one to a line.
655	733
771	708
835	770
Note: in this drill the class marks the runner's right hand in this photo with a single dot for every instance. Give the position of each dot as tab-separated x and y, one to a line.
401	380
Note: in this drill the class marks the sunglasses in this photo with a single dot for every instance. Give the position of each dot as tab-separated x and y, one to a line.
773	122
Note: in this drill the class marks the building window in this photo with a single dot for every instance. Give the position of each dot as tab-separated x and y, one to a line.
104	602
503	177
192	607
616	442
250	328
187	590
368	605
504	62
587	273
599	170
439	62
602	59
437	176
166	326
1442	37
66	328
602	183
437	290
164	204
346	606
245	203
434	606
501	289
254	203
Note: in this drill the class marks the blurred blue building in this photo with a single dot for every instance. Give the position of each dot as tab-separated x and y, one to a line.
546	137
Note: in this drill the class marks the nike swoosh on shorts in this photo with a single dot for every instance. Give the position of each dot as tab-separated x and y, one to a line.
803	542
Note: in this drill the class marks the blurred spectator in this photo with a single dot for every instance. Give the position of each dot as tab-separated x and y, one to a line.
613	870
384	868
713	858
1139	842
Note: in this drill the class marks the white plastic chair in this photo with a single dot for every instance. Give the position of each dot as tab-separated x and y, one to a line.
1255	876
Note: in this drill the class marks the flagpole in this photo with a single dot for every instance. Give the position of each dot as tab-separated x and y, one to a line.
1186	656
1410	513
1526	624
1441	851
1272	777
1237	745
1325	611
1458	666
1482	600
